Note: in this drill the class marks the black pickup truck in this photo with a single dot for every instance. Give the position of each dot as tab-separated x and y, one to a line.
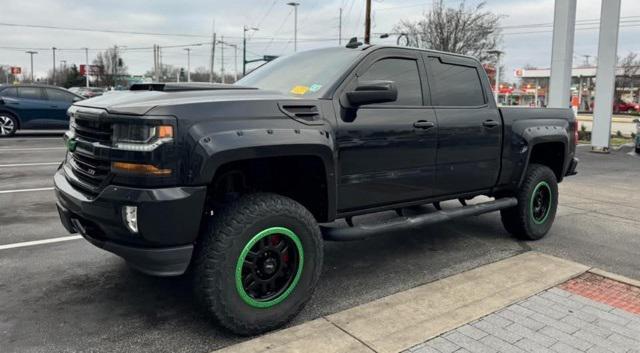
238	185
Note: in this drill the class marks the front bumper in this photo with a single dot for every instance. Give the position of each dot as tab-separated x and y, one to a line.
168	222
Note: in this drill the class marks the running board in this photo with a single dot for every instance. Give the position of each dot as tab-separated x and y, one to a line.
414	222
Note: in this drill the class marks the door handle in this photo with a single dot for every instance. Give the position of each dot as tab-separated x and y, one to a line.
490	123
423	124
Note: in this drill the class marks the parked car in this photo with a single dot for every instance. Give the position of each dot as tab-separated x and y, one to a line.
625	107
87	92
232	181
34	107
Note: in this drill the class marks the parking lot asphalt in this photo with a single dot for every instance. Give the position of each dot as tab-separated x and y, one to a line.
70	296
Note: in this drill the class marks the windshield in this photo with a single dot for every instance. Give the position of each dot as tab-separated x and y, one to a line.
305	74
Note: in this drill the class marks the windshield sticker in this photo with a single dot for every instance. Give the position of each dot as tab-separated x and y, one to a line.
299	90
315	87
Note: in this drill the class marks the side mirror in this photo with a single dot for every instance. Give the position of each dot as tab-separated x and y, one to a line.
370	92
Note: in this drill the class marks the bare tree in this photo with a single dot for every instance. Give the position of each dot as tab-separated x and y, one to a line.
112	69
630	67
467	30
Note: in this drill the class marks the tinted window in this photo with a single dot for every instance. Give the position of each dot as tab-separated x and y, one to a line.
9	92
29	92
58	95
455	85
404	72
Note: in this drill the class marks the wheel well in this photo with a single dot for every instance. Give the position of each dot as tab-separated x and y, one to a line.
301	178
550	154
13	115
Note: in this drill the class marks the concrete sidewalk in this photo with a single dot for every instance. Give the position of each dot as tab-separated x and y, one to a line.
528	303
442	311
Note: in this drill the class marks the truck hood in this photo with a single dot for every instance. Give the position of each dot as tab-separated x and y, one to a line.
139	102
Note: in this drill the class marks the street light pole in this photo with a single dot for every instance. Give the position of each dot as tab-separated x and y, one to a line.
188	64
86	65
497	53
295	24
31	52
54	65
244	47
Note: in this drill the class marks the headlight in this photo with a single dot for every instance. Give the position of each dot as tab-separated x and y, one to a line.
132	137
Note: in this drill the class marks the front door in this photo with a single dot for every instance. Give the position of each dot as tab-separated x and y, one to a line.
387	151
469	127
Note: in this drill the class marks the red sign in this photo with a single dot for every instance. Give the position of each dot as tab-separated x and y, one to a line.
15	70
93	69
518	72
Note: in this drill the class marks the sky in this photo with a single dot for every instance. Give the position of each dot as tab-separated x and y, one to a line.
183	23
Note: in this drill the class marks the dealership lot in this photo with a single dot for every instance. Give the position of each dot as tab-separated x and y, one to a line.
69	296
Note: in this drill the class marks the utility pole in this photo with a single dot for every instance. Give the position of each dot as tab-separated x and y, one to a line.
367	23
340	28
244	47
213	57
54	65
31	52
586	59
86	65
295	24
222	58
188	64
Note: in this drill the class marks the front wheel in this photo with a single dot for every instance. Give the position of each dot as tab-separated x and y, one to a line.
532	218
258	263
8	125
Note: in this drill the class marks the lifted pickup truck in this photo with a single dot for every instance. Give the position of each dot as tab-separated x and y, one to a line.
232	182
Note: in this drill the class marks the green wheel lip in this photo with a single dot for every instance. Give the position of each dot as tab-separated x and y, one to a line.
535	190
239	287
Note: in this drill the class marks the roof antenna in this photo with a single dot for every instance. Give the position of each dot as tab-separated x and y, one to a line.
353	43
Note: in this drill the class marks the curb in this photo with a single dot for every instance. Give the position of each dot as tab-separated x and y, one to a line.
400	321
615	277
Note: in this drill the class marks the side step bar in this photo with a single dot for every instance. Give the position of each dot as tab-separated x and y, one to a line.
413	222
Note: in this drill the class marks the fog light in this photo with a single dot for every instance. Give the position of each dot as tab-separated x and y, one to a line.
131	218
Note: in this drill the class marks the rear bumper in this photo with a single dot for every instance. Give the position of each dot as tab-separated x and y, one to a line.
168	222
573	166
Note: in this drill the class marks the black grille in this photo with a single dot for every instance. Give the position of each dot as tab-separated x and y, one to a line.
89	170
92	130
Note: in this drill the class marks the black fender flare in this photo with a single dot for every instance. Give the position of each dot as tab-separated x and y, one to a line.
218	148
532	136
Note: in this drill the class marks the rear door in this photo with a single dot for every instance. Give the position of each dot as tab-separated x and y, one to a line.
383	157
34	107
469	126
59	102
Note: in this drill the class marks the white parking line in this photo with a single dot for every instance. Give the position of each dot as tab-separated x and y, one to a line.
39	242
28	164
31	149
24	190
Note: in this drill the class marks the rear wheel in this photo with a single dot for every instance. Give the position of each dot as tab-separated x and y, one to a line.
532	218
258	263
8	125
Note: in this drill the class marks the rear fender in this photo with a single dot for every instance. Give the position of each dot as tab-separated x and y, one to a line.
529	133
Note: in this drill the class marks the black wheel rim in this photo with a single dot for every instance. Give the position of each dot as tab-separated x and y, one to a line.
269	267
541	200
